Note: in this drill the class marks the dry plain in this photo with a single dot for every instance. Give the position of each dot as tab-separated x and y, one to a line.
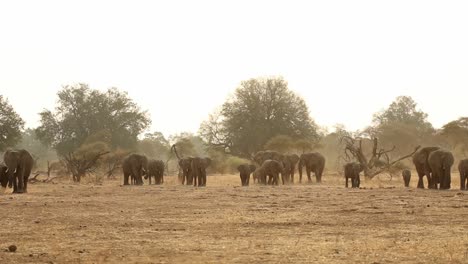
383	222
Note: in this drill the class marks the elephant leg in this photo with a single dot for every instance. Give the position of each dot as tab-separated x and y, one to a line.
358	181
284	178
420	181
248	179
204	177
346	184
126	178
292	176
300	173
200	178
308	171
194	178
447	180
320	172
20	175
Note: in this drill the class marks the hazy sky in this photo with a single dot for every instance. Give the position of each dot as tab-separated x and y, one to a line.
182	59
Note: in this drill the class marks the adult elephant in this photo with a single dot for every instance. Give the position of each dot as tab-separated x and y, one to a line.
272	169
245	170
289	163
313	162
440	161
19	164
463	169
185	165
352	171
420	161
199	166
156	170
134	166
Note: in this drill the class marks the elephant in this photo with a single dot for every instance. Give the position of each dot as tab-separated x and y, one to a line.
351	171
156	170
262	156
440	161
420	161
19	164
463	169
289	163
245	170
313	162
272	169
406	174
199	166
185	165
3	176
134	166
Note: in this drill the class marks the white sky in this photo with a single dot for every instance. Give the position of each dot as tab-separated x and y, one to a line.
181	59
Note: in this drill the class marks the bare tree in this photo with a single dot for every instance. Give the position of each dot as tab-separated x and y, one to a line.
80	165
379	160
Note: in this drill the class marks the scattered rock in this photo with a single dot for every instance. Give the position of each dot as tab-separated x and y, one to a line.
12	248
37	221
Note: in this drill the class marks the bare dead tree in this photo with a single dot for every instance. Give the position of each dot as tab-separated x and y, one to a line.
81	165
114	162
379	160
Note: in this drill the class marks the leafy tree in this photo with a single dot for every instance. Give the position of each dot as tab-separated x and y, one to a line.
401	125
155	145
259	110
40	152
82	112
456	134
280	143
11	125
403	110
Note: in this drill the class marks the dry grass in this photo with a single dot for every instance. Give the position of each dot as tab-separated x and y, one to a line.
225	223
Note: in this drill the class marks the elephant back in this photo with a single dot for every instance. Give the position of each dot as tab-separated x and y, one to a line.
421	156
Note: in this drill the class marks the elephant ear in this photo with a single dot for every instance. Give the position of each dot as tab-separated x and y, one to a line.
419	157
252	168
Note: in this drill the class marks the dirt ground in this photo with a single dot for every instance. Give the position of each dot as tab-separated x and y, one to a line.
383	222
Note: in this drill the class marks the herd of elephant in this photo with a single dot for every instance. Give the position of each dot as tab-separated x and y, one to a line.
436	163
432	162
272	164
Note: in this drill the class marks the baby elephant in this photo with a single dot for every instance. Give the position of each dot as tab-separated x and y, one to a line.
351	171
406	177
245	170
